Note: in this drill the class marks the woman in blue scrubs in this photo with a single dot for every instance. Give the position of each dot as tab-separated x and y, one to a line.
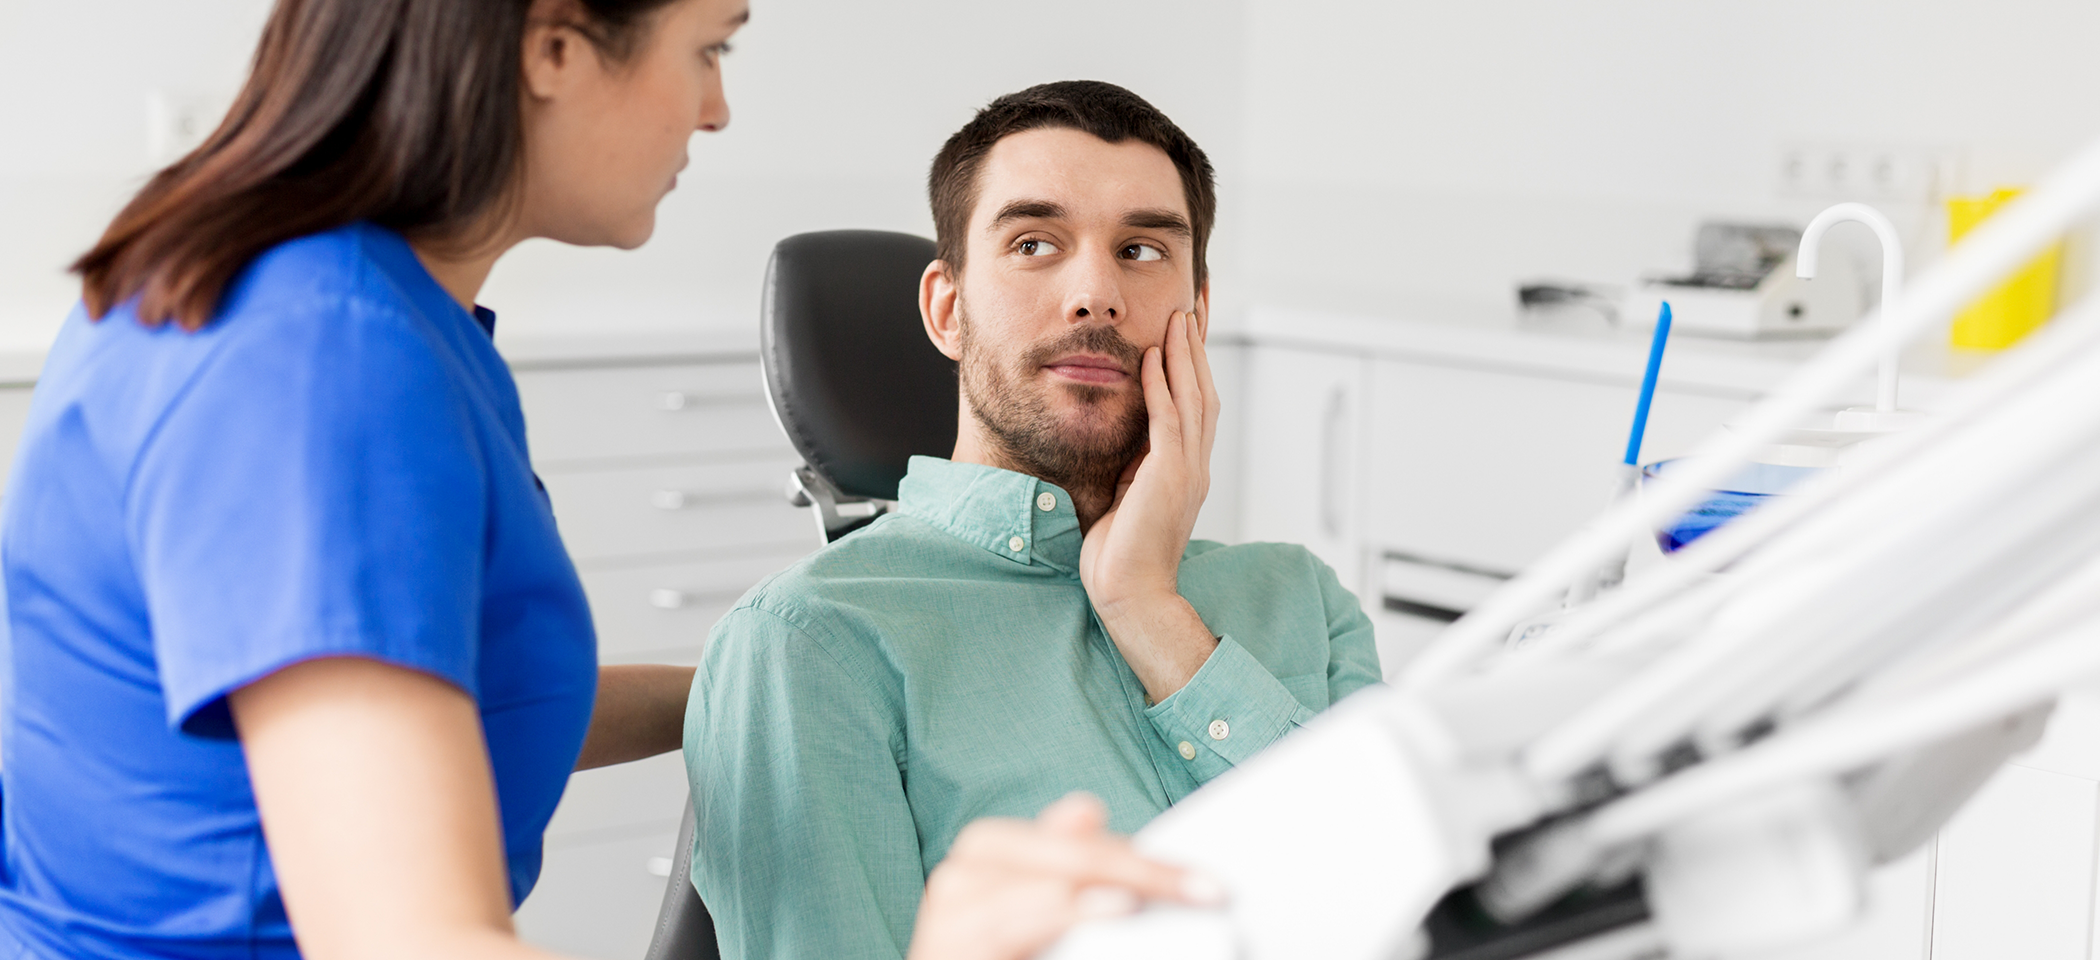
296	660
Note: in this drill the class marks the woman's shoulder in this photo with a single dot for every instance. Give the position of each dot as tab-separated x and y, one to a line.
328	327
356	271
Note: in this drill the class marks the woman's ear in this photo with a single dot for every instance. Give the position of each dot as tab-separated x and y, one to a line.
553	47
937	309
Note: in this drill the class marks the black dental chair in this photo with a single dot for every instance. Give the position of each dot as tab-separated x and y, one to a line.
858	390
853	380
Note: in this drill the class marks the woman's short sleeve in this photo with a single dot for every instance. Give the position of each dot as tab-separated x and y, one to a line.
317	489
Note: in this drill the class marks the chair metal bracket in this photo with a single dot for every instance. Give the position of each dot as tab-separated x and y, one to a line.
836	513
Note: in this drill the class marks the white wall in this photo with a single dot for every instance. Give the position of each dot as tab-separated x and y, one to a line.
838	107
1399	157
74	80
1412	154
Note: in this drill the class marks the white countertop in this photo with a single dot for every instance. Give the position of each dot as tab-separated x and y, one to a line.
20	361
1589	351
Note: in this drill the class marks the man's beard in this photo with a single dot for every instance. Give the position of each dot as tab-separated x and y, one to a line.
1028	431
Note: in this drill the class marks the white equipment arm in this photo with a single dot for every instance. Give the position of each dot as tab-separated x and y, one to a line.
1709	759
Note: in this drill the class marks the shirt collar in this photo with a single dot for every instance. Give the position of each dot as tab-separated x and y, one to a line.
1013	515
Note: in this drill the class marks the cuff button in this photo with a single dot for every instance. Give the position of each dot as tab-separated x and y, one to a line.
1188	750
1219	730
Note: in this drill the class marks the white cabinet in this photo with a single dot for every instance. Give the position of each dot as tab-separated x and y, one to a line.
1403	471
668	481
2015	875
1490	469
608	891
1300	465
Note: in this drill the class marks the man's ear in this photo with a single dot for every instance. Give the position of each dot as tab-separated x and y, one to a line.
1203	312
937	309
552	49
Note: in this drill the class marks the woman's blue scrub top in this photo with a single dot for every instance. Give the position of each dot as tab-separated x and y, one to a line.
335	465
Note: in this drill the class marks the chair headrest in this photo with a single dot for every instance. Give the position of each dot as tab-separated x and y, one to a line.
853	380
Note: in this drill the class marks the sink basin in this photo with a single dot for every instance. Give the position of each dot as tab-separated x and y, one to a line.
1752	485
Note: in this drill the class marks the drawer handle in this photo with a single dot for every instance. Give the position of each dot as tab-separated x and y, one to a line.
658	866
666	598
669	499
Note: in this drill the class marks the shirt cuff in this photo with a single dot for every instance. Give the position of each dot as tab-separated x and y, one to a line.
1230	710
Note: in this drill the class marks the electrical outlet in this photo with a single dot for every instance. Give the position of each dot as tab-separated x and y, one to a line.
178	123
1868	172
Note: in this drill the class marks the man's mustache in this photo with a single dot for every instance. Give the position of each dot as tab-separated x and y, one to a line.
1090	338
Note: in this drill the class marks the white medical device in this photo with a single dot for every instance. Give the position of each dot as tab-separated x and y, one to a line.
1744	286
1709	759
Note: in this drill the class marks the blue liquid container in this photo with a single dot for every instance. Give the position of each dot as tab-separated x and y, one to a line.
1751	486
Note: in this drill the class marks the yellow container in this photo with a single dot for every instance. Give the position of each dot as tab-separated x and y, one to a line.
2001	317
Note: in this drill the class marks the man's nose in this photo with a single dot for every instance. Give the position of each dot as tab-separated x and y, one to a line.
1096	293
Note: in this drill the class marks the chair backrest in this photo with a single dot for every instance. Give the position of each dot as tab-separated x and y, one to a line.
851	375
684	931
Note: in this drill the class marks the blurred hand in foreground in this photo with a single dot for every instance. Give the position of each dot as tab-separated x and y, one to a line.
1009	888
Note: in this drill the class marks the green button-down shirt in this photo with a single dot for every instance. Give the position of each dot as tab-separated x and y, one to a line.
856	710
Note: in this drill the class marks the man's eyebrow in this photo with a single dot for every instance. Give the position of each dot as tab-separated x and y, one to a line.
1156	219
741	18
1027	210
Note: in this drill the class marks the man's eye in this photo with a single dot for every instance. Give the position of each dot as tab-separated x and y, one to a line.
1143	251
1036	248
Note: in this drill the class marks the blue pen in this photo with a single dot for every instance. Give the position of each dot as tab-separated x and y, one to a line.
1655	363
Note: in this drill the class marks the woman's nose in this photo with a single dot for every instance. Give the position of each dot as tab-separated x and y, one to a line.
714	106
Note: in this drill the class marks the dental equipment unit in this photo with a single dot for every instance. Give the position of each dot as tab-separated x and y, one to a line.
1706	761
1742	286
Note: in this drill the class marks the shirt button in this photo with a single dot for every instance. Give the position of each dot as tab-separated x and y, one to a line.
1219	730
1188	750
1046	502
1017	544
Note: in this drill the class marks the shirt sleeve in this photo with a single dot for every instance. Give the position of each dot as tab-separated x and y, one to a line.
804	844
1235	707
1229	711
315	490
1352	645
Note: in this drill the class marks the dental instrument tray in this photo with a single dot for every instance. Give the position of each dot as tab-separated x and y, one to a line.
1742	286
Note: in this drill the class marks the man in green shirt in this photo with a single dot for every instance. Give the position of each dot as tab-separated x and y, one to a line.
1033	619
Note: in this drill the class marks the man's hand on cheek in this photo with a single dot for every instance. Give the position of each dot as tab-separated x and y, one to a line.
1131	561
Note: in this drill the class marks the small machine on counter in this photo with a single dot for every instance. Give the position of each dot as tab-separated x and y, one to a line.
1743	286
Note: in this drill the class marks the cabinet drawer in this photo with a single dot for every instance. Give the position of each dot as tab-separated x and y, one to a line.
1492	469
660	510
14	415
661	614
625	796
646	411
599	900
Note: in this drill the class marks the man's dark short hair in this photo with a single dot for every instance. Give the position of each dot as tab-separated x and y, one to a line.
1103	109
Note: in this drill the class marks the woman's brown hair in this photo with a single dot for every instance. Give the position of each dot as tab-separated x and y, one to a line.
404	113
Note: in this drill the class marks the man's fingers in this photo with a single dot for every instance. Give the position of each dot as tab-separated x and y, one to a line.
1200	352
1181	376
1159	401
